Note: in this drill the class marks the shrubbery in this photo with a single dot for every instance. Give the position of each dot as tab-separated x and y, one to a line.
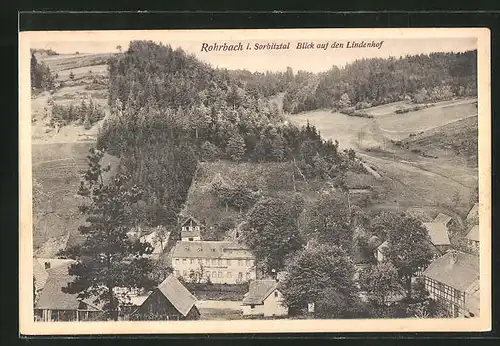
87	113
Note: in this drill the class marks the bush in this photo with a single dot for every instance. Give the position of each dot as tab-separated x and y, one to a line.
85	113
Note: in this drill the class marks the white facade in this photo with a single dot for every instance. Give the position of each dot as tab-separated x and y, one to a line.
217	270
272	306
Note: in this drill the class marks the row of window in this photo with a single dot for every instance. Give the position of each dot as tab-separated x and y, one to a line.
189	228
216	274
214	261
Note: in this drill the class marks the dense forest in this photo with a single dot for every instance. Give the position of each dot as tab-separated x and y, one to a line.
169	110
41	77
370	82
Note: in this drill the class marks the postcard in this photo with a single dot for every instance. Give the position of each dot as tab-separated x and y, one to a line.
255	181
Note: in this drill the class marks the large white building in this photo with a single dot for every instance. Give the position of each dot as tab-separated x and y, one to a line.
223	262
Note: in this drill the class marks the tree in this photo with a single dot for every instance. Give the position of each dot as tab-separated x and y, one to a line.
322	275
345	101
119	48
108	258
408	248
381	284
71	75
329	221
209	151
271	231
236	147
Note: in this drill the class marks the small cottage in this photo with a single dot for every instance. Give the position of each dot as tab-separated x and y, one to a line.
169	301
191	229
264	299
444	219
473	238
453	279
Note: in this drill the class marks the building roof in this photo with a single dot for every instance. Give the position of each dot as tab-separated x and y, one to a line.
456	269
39	274
258	291
187	218
210	249
438	233
374	242
177	294
473	233
443	218
383	245
190	234
52	297
474	211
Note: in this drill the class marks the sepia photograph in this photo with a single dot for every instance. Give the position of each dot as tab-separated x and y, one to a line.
232	181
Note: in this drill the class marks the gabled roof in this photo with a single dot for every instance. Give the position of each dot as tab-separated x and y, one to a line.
443	218
210	249
474	211
52	297
186	219
39	274
456	269
258	291
473	233
177	294
438	233
193	233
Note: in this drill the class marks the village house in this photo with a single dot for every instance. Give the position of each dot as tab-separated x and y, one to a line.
169	301
438	232
473	238
54	305
444	219
473	212
221	262
157	237
264	299
453	280
191	229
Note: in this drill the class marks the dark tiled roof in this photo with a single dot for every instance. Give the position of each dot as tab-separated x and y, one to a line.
210	249
456	269
438	233
177	294
258	291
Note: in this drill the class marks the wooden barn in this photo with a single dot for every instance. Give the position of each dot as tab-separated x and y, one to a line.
169	301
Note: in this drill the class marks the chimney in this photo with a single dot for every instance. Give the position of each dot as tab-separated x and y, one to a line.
47	265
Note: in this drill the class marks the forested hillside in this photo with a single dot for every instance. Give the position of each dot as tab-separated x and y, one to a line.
169	110
370	82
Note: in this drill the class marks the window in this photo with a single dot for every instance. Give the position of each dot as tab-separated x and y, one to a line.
252	306
184	273
276	293
199	260
183	261
191	261
248	263
190	239
220	274
228	262
208	274
248	276
240	275
177	261
214	274
220	261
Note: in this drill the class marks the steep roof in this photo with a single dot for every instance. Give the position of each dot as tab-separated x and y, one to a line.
40	274
187	218
456	269
438	233
177	294
258	291
442	218
474	211
210	249
473	233
52	297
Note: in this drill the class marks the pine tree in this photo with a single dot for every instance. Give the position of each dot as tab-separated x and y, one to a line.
236	147
108	258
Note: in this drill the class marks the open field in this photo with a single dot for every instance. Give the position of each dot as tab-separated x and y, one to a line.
443	183
219	309
62	62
